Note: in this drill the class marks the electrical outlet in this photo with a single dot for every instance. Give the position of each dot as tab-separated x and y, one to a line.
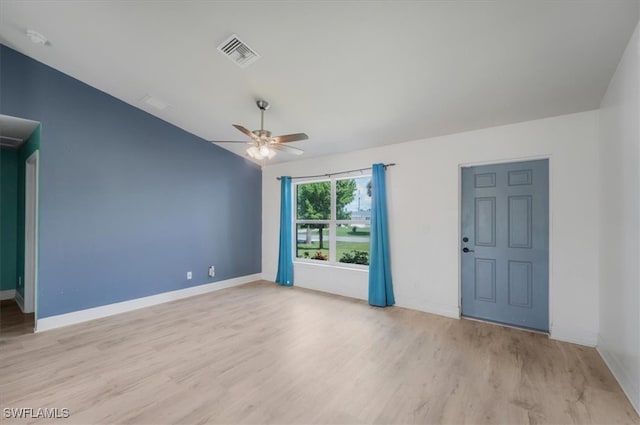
189	275
212	271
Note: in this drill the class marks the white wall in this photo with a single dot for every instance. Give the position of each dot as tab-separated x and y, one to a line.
423	199
619	340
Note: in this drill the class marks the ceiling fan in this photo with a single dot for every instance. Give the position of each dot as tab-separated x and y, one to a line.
262	145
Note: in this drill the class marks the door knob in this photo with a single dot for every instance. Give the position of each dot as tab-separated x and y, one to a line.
465	249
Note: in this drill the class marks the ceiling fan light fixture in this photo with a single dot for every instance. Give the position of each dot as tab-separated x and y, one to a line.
254	152
260	153
262	145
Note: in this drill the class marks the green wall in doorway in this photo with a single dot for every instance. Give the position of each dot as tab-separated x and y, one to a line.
8	219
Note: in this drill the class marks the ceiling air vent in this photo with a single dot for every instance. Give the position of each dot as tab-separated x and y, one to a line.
236	50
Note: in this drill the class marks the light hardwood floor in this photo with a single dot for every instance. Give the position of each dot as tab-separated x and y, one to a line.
13	321
260	353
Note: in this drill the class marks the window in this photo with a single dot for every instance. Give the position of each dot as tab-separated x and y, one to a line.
333	220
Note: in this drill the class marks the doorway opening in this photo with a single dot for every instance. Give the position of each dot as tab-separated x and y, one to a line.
19	167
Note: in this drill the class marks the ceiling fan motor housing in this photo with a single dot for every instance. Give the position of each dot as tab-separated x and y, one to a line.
263	134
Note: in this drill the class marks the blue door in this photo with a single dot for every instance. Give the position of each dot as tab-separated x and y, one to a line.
505	243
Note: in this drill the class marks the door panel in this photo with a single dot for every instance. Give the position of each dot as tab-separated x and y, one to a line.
485	221
505	261
485	280
520	221
520	274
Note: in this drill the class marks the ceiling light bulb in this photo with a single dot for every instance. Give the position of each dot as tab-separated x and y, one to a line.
254	153
272	153
264	151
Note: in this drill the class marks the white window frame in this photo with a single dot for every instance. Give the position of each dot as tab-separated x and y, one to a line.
332	224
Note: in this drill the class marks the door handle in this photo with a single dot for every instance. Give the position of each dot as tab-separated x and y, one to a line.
465	249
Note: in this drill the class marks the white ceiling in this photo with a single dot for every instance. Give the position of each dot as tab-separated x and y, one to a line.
352	74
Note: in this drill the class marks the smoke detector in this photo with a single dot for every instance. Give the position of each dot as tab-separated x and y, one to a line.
36	37
238	51
155	102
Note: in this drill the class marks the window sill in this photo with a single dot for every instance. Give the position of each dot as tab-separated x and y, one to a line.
362	269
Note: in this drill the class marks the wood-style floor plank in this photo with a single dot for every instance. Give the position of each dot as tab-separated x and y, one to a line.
260	353
13	321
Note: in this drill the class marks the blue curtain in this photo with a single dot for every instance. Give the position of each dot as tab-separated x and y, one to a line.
380	285
285	257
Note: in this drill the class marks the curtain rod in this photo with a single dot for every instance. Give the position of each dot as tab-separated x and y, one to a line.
339	172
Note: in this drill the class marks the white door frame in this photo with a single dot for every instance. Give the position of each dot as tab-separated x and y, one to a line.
31	190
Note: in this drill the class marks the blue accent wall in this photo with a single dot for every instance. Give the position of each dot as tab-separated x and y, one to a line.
128	203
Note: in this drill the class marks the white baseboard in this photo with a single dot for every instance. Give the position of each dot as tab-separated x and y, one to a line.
7	294
629	387
20	301
356	293
80	316
439	309
349	293
590	339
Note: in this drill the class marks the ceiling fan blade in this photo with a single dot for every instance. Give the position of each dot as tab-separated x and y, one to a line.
290	138
231	141
247	132
286	148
